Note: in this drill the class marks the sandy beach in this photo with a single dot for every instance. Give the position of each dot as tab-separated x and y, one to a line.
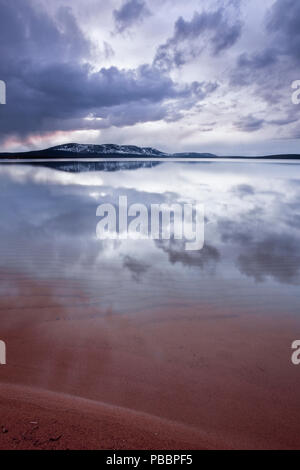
178	377
37	419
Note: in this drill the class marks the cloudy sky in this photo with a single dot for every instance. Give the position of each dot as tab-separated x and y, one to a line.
196	75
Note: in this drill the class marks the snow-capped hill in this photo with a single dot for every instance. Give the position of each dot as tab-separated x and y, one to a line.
107	149
73	151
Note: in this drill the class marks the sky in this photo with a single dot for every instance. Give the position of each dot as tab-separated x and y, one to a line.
195	75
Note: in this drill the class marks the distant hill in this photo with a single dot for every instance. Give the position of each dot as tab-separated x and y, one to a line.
89	151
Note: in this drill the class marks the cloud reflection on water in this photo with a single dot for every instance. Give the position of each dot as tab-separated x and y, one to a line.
48	222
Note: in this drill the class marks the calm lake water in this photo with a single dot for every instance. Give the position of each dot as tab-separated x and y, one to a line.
250	261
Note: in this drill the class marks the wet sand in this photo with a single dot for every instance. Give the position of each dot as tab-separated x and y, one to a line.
37	419
178	377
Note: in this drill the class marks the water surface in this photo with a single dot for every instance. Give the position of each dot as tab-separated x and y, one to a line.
251	257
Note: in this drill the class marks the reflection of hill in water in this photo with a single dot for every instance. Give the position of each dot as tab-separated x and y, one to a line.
80	167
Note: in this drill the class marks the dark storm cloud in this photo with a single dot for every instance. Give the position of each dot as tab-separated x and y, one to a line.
51	86
129	14
284	121
265	250
208	257
191	37
276	256
283	21
60	96
30	35
272	68
295	221
108	50
249	123
243	190
259	60
60	219
136	267
256	68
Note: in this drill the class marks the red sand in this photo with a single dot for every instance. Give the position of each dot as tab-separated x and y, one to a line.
171	379
36	419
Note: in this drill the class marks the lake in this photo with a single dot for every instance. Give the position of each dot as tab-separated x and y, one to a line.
202	338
